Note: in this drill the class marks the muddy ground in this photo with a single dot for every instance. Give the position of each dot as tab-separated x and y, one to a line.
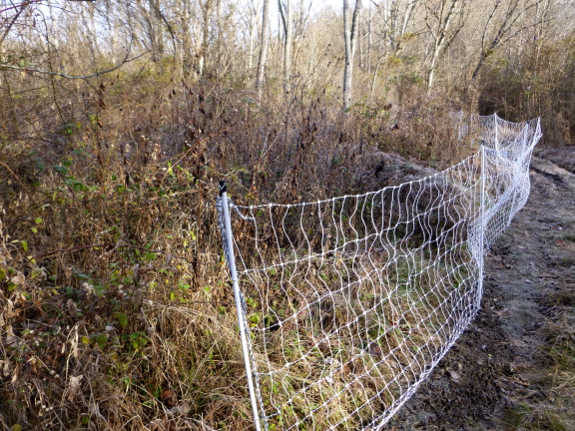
503	366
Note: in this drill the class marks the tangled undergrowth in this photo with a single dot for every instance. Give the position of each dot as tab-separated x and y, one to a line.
116	311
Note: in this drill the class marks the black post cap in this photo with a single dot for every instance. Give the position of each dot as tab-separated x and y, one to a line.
223	187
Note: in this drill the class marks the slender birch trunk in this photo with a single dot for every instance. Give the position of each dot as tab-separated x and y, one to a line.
350	32
264	43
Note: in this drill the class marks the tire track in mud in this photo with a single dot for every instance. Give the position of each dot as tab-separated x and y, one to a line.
499	360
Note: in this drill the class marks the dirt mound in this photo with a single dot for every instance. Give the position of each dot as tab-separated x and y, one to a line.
391	169
563	157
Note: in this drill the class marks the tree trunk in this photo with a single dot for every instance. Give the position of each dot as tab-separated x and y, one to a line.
444	20
369	38
287	21
207	12
431	71
350	32
264	42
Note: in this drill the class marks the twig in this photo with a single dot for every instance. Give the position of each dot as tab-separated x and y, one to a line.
63	75
65	250
209	302
116	246
24	4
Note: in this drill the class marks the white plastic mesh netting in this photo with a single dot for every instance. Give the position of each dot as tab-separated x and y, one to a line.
350	302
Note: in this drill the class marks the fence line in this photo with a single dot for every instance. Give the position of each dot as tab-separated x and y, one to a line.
346	305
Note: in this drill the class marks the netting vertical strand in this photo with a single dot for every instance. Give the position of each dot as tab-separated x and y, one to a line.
226	229
495	124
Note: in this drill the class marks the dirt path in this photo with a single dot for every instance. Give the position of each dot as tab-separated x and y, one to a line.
503	374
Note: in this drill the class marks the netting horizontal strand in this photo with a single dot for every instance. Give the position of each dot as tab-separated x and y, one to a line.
350	302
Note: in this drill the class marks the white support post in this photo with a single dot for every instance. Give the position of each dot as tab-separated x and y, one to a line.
244	332
481	228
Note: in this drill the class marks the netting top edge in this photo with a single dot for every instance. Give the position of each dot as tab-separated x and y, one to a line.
391	187
497	117
360	195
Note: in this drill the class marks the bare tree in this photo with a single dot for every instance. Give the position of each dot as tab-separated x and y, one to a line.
501	18
264	42
444	19
350	32
153	29
394	30
286	14
207	7
12	13
250	19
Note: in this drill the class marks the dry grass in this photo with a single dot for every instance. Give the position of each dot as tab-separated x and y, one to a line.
549	401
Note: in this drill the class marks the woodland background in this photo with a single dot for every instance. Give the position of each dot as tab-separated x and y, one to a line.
118	119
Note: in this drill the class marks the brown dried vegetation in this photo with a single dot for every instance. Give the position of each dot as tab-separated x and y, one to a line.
115	308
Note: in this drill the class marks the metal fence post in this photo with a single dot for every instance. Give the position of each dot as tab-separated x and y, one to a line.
242	324
482	227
